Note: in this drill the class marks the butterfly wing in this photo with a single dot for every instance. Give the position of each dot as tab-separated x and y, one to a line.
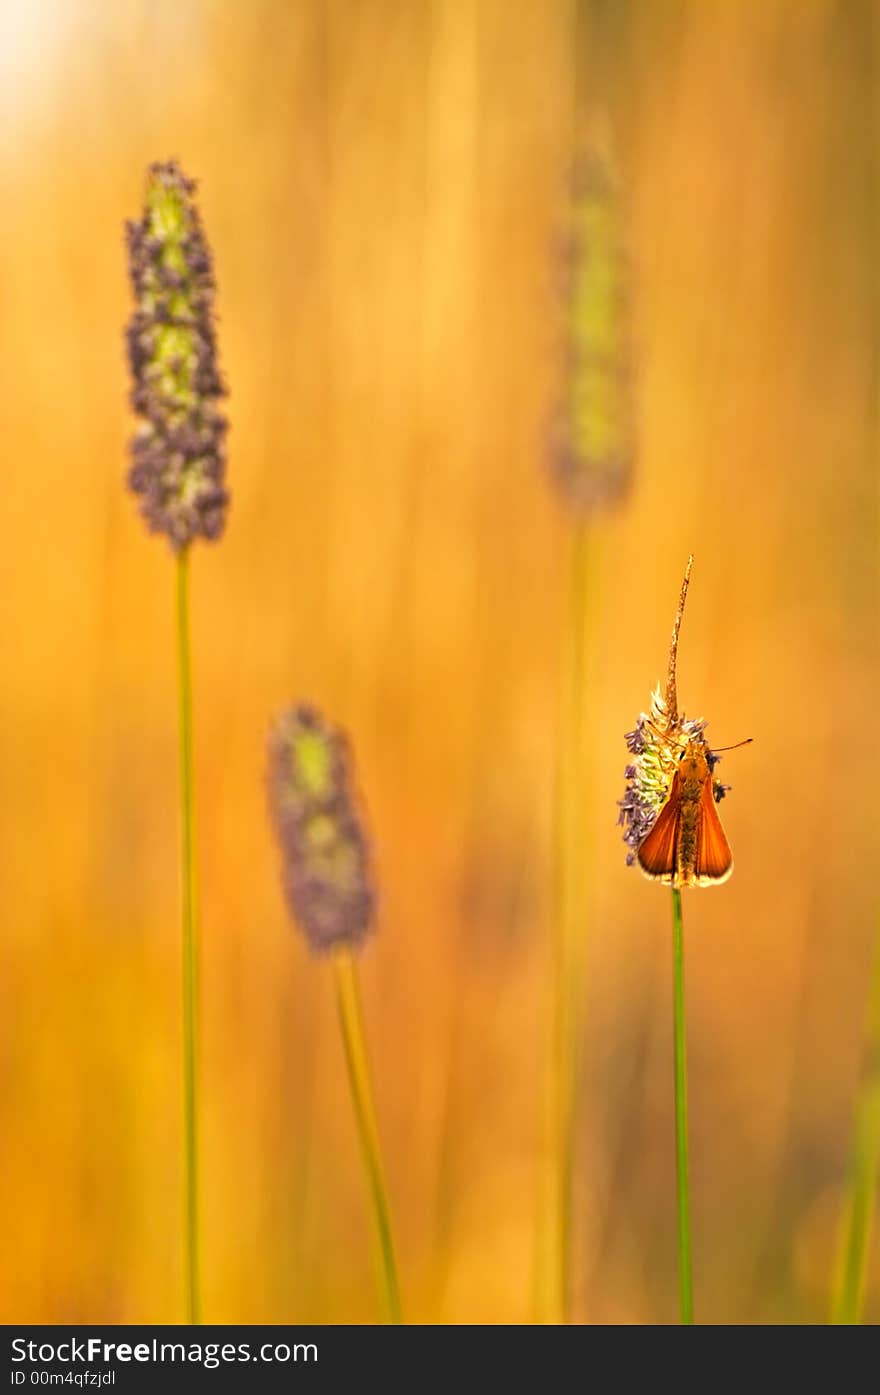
714	860
658	850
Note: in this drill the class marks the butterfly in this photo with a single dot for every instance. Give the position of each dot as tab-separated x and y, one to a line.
686	845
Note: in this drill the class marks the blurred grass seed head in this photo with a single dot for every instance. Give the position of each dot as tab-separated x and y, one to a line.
593	437
325	865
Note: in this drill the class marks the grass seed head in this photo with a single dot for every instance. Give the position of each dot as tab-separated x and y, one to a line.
593	436
178	458
656	744
325	853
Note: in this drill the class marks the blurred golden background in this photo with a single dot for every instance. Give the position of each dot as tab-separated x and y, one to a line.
383	183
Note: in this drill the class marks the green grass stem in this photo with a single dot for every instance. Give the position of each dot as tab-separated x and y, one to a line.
189	950
351	1020
570	857
685	1275
849	1287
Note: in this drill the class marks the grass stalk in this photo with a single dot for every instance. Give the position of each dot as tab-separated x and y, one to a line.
351	1021
849	1286
685	1276
189	949
553	1287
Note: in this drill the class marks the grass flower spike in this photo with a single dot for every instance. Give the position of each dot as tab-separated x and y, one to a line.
329	891
667	811
672	829
177	471
593	445
178	454
325	866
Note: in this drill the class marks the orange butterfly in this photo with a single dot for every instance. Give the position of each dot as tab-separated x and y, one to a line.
687	845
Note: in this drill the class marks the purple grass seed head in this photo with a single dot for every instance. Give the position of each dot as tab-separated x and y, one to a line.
325	855
656	744
178	454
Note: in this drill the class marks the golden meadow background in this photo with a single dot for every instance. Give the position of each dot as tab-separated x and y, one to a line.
383	183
